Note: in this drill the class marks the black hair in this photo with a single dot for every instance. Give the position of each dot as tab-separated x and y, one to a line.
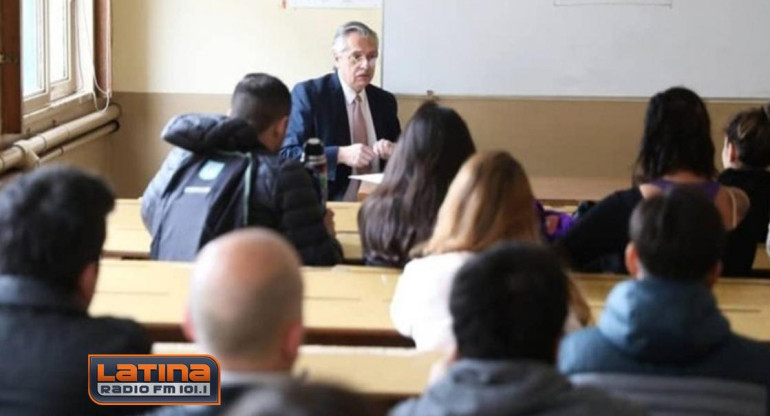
260	99
677	136
53	224
402	211
510	302
749	132
678	235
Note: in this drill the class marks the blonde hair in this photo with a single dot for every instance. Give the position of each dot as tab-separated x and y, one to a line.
489	201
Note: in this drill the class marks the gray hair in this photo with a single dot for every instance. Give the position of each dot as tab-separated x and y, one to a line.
340	44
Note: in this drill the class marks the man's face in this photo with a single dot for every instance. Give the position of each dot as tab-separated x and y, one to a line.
357	63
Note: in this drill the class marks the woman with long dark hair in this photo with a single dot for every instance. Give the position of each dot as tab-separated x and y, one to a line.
676	150
401	212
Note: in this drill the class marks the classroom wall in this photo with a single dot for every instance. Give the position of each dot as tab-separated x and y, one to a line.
177	56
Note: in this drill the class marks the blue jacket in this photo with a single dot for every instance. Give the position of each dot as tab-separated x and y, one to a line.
318	109
655	327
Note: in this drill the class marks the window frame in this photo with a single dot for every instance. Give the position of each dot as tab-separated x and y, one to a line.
54	91
13	119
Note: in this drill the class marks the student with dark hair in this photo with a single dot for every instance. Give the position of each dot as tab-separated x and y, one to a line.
746	156
662	339
508	306
225	173
52	228
676	150
301	399
401	212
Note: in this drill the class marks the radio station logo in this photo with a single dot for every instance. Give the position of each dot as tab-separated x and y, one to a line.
153	379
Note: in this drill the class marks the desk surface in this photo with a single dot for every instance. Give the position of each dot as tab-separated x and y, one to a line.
561	190
127	237
350	304
375	371
343	304
558	190
745	302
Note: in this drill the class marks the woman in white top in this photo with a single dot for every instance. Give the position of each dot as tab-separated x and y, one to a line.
489	201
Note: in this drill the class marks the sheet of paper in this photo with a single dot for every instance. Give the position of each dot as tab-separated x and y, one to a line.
375	178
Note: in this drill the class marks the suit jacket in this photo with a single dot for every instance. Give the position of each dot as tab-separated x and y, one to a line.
319	110
45	339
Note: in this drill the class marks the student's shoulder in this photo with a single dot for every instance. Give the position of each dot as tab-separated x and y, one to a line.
436	264
117	335
380	94
745	359
626	197
584	351
318	85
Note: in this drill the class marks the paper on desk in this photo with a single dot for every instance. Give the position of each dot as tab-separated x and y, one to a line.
375	178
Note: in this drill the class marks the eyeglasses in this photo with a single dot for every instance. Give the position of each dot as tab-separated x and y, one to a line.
356	58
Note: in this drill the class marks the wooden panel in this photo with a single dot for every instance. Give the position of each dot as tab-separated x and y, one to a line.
10	69
390	372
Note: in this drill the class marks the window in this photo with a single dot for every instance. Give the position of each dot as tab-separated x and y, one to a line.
54	57
50	51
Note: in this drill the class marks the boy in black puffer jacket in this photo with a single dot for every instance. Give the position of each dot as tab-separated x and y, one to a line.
225	173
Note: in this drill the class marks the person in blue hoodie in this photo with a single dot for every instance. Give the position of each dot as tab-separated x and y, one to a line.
225	173
508	306
662	339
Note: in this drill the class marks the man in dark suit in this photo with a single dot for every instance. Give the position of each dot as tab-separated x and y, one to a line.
245	310
52	228
356	121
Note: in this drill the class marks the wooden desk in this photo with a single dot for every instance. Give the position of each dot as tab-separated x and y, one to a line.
745	302
127	237
761	260
557	190
571	190
346	305
352	250
380	373
345	216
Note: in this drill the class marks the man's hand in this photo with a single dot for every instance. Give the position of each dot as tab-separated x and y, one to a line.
356	155
329	222
384	149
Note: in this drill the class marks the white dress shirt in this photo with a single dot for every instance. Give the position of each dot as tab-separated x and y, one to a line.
371	135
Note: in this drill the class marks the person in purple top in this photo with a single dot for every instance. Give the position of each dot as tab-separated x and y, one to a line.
676	150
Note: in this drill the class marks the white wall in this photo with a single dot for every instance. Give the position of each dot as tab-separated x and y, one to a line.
206	46
538	48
